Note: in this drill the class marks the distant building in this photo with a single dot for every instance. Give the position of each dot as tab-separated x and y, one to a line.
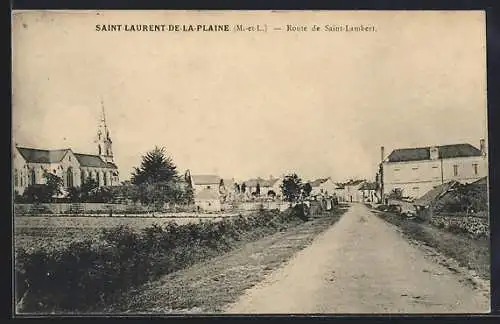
324	187
369	192
207	191
352	190
207	200
415	171
30	164
268	187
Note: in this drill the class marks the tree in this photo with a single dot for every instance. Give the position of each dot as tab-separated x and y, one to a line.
236	187
306	190
54	183
257	189
243	187
156	166
291	188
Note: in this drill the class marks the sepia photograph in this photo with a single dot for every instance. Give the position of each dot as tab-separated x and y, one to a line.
249	162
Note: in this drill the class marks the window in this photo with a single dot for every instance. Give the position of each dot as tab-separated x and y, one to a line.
414	168
105	179
208	187
474	166
396	169
69	178
455	170
16	180
435	167
33	176
98	178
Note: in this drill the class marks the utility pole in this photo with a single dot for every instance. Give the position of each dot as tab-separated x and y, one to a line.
381	172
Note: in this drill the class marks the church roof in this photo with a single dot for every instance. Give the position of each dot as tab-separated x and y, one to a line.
88	160
32	155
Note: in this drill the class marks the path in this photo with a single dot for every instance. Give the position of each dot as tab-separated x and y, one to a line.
361	265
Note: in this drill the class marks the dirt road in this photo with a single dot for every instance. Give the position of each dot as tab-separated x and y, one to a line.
362	265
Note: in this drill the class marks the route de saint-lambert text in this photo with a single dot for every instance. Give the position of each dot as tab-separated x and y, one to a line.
233	28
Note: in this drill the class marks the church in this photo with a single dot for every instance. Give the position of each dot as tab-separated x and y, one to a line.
30	164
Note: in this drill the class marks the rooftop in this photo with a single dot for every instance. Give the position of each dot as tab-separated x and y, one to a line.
423	153
33	155
203	179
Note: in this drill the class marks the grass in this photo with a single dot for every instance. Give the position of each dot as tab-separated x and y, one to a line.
471	253
210	285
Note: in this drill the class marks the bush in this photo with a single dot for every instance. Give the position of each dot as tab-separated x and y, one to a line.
88	274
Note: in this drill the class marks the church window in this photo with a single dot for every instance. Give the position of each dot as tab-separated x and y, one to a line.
98	178
82	176
69	178
105	179
99	148
33	176
16	180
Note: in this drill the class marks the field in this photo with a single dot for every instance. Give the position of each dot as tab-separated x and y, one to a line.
59	231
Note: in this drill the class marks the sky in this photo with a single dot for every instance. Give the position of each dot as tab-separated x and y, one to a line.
249	104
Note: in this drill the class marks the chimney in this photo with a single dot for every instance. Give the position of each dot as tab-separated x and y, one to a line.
482	146
382	154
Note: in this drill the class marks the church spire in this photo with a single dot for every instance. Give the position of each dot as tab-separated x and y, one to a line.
103	139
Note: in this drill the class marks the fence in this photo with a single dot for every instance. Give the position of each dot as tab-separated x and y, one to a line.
103	208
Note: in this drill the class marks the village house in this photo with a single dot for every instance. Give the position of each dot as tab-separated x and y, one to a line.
369	192
339	192
415	171
352	192
30	164
207	191
324	187
268	187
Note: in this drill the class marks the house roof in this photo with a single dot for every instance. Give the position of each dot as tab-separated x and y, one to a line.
318	182
32	155
339	186
203	179
354	182
368	186
423	153
88	160
481	182
262	182
434	194
206	194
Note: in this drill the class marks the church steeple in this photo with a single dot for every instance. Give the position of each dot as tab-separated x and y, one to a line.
104	143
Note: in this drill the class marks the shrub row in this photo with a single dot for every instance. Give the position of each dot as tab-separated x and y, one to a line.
86	275
472	226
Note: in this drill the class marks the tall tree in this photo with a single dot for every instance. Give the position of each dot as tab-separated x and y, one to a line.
291	187
257	189
156	166
243	187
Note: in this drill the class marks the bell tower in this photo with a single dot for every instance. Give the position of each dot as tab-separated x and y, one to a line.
103	141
